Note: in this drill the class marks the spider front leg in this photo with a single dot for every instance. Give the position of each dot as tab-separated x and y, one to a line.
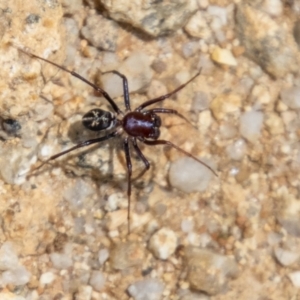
163	97
125	88
171	111
97	88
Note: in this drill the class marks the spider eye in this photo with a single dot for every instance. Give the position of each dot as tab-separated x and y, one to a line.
98	119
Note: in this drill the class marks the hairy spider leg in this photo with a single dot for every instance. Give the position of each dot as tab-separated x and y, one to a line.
170	111
140	154
80	145
163	97
129	170
168	143
129	173
98	89
125	88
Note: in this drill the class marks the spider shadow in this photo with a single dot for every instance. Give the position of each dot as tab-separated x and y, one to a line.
77	164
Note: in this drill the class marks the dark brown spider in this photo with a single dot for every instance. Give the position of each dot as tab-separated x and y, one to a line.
139	125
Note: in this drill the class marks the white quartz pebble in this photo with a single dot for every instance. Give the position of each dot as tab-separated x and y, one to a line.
163	243
251	124
150	289
97	280
189	176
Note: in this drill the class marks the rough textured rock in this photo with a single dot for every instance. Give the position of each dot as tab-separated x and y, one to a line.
266	42
125	255
207	271
106	38
157	18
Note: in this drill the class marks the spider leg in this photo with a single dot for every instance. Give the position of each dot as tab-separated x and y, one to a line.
164	142
98	89
80	145
140	154
129	173
125	88
163	97
171	111
142	157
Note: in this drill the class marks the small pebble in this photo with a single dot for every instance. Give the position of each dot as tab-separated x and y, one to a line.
17	276
112	84
200	101
207	271
274	123
250	125
228	131
237	150
125	255
138	71
84	292
219	12
114	201
197	26
159	66
286	257
189	176
109	61
224	57
47	278
261	94
273	7
187	225
291	97
8	257
61	261
103	255
295	278
225	104
147	289
205	120
163	243
97	280
203	4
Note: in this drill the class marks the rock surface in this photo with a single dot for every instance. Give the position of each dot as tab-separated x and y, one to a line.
64	227
273	47
157	18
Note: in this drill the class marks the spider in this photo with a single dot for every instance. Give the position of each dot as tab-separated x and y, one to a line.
139	125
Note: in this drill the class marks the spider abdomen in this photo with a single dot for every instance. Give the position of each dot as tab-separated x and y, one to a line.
98	119
142	124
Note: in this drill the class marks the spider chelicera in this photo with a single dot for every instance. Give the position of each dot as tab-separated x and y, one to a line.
140	125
